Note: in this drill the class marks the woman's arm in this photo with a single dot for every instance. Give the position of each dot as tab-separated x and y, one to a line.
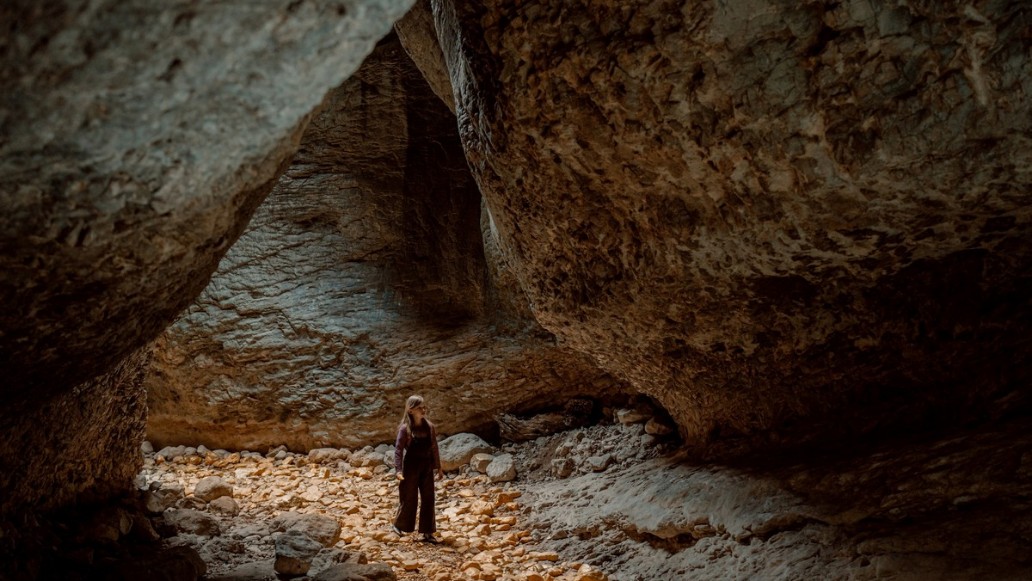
437	452
400	444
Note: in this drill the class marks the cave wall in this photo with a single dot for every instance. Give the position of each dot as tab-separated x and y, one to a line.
79	446
362	279
785	221
137	140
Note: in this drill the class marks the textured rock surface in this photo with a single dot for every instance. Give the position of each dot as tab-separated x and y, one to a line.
82	445
780	219
418	35
946	508
361	280
138	139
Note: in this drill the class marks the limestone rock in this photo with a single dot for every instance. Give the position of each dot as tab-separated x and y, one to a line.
655	427
501	468
751	214
480	462
162	496
419	37
456	451
193	522
322	528
80	445
256	571
599	463
294	553
212	487
224	505
327	455
371	245
356	572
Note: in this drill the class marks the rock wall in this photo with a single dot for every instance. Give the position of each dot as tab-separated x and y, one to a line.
79	446
363	278
783	220
137	140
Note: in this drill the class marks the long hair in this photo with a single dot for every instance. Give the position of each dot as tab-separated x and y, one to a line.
413	401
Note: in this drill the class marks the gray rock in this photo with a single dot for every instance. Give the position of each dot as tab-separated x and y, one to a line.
327	455
563	467
657	428
162	496
479	462
212	487
502	468
256	571
294	553
458	450
599	463
322	528
632	416
224	505
356	572
193	522
171	452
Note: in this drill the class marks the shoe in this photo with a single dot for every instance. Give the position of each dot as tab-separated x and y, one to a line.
430	539
397	531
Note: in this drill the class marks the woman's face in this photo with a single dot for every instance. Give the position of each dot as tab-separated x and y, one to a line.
418	412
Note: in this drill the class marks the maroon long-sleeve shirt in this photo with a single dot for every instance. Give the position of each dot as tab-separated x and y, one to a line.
405	438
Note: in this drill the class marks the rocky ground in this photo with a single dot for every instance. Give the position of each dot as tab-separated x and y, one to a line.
238	510
613	502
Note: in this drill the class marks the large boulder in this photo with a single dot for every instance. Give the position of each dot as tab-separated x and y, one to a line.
781	220
362	279
456	451
138	138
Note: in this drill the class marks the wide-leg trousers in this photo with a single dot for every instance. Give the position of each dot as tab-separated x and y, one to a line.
418	482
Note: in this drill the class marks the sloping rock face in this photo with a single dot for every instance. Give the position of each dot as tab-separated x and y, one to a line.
783	220
137	139
80	446
362	279
930	508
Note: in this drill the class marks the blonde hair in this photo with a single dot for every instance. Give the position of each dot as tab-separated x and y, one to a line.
413	401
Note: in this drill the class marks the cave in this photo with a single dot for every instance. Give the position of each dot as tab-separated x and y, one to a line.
739	289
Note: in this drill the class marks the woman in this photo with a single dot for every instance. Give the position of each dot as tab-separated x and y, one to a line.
416	459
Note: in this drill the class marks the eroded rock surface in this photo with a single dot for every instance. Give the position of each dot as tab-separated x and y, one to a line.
362	279
925	508
779	219
138	139
80	446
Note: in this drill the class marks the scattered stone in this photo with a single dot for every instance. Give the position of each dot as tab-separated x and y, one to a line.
456	451
256	571
192	503
224	505
212	487
502	469
146	447
193	522
322	528
357	572
599	463
294	553
171	452
657	428
563	467
328	455
479	462
632	416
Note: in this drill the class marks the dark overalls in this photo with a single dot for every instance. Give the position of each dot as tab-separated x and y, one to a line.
418	470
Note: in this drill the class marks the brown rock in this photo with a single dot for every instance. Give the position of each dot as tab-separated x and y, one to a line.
728	231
